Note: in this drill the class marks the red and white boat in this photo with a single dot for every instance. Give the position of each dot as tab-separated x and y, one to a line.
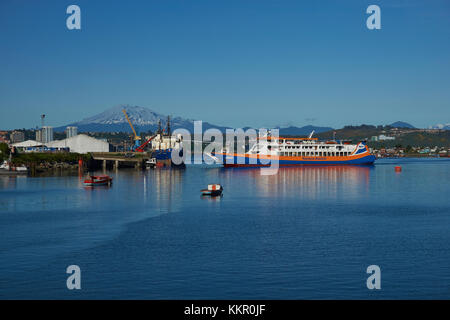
102	180
213	190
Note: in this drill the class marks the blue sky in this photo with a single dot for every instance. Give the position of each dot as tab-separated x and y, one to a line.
229	62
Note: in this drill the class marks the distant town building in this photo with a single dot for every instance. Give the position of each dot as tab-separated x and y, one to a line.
71	132
47	134
4	136
374	138
382	137
17	136
38	135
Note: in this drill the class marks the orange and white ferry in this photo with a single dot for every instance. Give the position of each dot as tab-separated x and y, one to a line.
298	151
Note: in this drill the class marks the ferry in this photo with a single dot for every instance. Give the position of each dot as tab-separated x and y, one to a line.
298	151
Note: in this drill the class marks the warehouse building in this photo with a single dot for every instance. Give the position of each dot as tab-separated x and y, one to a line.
80	144
27	144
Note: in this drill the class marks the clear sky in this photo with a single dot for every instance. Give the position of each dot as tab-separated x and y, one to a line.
228	62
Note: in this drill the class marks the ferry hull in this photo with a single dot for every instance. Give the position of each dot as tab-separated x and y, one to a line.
244	160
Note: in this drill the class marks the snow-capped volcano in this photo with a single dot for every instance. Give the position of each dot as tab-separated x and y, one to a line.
143	120
139	116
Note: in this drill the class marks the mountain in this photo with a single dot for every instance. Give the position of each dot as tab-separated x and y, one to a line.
441	126
302	131
143	120
401	124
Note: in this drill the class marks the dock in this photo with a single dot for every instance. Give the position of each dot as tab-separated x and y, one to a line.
136	159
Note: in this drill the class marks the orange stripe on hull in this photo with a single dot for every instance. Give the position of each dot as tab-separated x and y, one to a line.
300	158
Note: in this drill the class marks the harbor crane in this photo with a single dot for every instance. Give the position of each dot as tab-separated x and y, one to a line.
138	147
137	139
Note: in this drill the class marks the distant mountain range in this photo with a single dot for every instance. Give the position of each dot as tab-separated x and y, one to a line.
441	126
145	119
302	131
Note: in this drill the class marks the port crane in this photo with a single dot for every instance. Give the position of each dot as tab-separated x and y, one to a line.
138	147
137	139
142	146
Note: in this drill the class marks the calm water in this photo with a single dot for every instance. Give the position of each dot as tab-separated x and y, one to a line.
302	234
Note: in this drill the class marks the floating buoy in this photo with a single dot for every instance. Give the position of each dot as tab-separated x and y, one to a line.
398	169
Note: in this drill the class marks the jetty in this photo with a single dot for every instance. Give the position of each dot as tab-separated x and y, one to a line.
136	159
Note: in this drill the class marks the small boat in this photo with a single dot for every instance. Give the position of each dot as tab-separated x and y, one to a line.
213	190
8	169
101	180
151	163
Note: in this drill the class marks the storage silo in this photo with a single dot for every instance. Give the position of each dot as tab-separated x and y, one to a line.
71	132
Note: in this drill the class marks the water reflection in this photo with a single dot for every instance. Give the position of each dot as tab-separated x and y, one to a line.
305	182
167	187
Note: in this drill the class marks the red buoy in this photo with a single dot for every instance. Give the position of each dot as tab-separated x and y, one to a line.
398	169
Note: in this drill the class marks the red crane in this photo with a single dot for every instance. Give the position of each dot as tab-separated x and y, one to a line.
142	146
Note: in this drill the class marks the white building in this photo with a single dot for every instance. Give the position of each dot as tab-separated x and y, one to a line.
27	144
80	144
47	134
71	132
382	137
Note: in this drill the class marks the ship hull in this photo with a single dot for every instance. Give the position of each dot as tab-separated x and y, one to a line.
164	158
245	160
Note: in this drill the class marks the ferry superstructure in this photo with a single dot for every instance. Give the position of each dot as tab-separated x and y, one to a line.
298	151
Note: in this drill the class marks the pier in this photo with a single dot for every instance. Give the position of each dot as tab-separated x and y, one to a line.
136	159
